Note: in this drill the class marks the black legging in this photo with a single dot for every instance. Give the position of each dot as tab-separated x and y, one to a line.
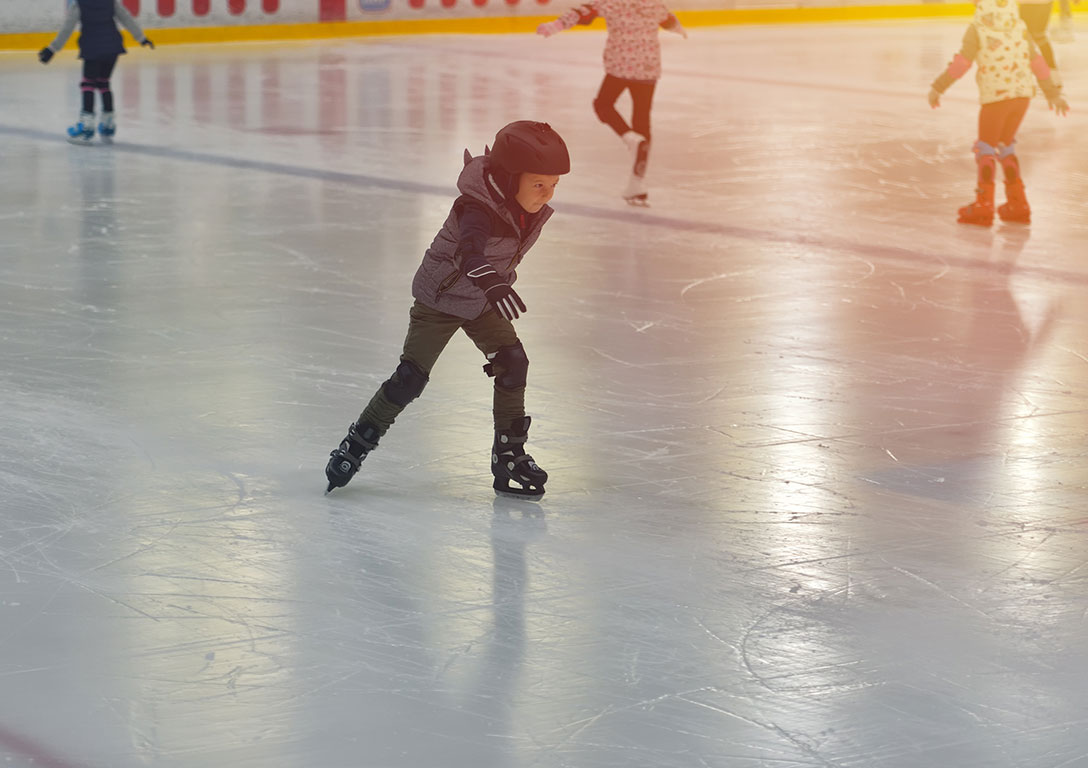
96	77
642	98
1036	16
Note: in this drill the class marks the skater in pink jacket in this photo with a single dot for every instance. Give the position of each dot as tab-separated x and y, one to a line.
632	61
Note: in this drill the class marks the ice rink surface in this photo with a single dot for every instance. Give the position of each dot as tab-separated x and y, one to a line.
817	453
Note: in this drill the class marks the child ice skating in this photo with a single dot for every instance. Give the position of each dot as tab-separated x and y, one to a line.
999	42
466	282
1036	15
99	46
632	62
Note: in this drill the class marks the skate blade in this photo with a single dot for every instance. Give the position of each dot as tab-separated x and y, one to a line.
80	142
509	491
639	201
520	495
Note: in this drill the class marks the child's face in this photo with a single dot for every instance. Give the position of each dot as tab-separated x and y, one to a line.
534	190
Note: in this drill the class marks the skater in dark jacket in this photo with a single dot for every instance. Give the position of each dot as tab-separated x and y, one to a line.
99	46
466	282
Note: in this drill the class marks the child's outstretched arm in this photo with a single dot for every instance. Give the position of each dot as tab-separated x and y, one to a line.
71	20
121	13
583	14
672	24
957	68
1051	88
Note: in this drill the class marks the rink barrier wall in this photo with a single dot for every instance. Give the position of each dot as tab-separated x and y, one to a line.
239	26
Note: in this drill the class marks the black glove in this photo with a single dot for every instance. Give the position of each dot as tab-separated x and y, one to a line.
502	297
45	54
148	43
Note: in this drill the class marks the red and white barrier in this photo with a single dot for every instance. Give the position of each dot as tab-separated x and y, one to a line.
20	16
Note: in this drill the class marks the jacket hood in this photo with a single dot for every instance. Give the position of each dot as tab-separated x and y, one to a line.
477	182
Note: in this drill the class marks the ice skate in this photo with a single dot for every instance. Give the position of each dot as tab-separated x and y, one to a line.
83	131
639	147
635	192
344	462
1016	208
107	127
511	465
981	211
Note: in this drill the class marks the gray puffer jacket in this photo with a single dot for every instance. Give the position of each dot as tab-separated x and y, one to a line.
440	281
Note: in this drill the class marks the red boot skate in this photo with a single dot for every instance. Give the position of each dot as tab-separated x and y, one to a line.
980	212
1017	208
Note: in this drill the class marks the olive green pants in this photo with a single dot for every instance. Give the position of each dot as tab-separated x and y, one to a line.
429	331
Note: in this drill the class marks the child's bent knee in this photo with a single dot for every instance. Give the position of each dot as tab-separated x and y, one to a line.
509	365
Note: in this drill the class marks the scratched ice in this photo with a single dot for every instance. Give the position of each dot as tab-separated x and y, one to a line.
817	452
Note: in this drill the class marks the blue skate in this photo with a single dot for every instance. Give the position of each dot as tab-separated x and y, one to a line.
83	131
107	127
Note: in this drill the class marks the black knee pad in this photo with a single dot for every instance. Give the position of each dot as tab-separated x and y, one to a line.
406	384
509	366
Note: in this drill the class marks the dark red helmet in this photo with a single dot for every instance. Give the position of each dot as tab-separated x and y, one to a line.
526	146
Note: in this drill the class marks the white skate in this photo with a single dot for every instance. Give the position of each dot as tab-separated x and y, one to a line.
636	193
639	147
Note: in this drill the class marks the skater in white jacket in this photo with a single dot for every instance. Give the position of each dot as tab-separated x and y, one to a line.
1009	65
632	61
